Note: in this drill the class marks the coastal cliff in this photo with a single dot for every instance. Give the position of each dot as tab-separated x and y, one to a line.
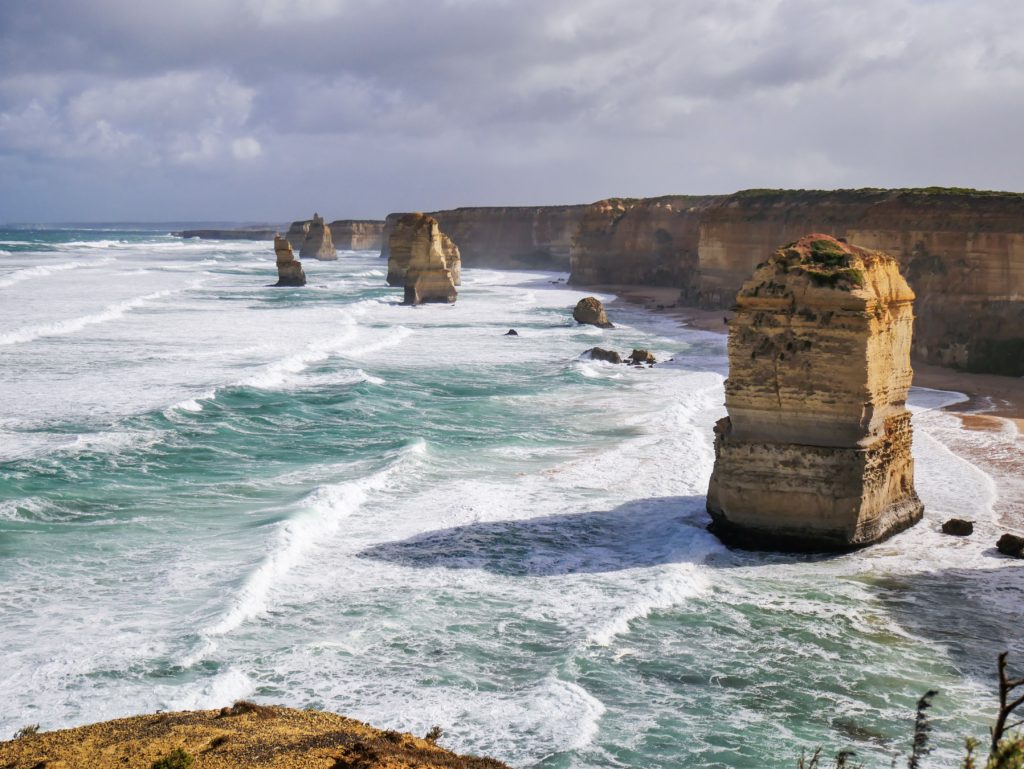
423	260
518	237
245	736
962	251
815	452
651	241
357	234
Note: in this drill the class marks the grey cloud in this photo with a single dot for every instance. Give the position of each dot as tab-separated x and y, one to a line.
248	108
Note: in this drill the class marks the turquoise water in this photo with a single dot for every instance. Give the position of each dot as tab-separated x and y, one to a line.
210	489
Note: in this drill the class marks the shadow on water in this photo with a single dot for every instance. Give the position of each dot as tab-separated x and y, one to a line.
638	534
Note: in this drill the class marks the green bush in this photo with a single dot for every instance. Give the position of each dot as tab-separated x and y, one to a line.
178	759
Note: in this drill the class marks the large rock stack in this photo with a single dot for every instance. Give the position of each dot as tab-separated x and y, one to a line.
423	259
318	244
815	452
289	269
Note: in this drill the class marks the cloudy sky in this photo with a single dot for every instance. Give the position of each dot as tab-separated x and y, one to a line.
269	109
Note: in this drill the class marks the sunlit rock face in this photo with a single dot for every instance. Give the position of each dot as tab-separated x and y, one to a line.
423	260
318	243
357	234
815	453
289	269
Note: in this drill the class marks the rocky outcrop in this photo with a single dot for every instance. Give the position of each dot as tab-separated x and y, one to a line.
289	269
589	311
423	260
599	353
649	241
246	736
518	237
958	527
318	244
357	234
640	356
815	452
1011	545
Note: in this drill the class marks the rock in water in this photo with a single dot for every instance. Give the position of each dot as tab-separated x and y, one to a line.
641	356
1011	544
958	527
289	269
318	244
511	332
815	452
589	311
608	356
297	233
423	259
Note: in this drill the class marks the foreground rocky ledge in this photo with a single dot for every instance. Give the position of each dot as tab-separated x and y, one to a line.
233	738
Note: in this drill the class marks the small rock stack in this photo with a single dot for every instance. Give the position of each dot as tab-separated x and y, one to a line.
815	453
289	269
423	260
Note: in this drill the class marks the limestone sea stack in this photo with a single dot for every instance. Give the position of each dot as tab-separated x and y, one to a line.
815	453
318	244
289	269
423	259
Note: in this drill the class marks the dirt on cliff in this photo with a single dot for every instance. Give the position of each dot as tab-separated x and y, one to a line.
240	737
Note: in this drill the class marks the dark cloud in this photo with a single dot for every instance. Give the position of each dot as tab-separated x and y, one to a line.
267	108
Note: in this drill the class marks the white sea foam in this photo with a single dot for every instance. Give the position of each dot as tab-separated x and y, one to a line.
73	325
43	270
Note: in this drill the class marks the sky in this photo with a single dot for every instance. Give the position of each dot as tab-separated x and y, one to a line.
266	110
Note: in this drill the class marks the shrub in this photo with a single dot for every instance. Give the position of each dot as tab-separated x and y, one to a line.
178	759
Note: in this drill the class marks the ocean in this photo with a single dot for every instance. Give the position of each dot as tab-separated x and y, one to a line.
211	489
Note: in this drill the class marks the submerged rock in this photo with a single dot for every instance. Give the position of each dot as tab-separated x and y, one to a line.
423	260
958	527
589	311
815	452
1012	545
608	356
289	269
245	736
511	332
317	243
640	356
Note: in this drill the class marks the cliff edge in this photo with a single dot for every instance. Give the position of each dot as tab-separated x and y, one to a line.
815	452
245	736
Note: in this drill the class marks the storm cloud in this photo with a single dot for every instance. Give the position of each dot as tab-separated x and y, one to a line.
269	109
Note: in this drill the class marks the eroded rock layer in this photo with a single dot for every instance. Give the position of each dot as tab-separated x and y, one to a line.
423	260
289	269
815	452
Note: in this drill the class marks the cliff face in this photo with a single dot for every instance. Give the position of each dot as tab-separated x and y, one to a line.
357	234
244	736
508	238
240	233
423	259
962	253
289	269
639	241
297	233
815	452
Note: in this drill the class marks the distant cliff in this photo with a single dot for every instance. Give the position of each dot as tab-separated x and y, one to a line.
518	237
357	234
241	233
961	250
